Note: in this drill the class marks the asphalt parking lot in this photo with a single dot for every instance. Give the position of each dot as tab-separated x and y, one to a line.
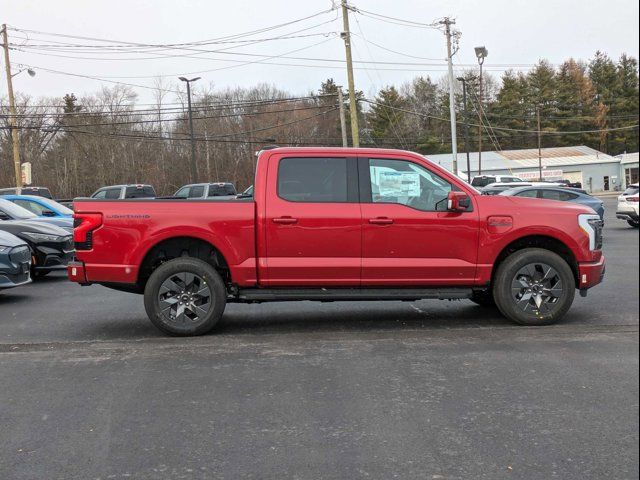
440	390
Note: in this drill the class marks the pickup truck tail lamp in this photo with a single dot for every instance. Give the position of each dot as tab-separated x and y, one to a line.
83	226
591	225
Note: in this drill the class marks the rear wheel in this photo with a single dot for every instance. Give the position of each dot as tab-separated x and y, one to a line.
534	287
185	297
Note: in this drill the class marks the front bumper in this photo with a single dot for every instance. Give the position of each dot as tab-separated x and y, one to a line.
50	257
591	273
627	215
15	267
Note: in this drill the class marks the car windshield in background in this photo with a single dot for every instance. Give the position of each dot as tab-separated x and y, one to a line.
482	181
16	211
53	205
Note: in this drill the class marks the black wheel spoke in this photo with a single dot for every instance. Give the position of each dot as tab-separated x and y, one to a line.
536	288
184	297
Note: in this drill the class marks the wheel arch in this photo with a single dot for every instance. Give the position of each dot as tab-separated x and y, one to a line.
182	246
539	241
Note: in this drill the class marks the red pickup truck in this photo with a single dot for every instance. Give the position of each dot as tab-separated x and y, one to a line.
331	224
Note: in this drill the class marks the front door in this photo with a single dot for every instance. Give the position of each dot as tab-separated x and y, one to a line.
312	222
409	237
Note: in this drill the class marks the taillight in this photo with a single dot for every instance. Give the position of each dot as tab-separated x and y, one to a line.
83	226
632	199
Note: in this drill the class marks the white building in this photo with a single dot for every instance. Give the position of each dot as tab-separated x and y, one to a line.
629	168
596	171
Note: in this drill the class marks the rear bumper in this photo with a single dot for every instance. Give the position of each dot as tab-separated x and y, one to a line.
591	274
627	215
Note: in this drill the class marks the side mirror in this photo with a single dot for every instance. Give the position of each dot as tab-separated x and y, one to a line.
4	216
458	202
47	213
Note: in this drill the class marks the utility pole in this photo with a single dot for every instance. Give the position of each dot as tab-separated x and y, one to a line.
539	142
353	107
466	125
15	135
481	54
343	121
194	165
447	22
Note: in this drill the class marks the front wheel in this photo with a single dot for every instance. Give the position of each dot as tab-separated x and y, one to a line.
185	297
534	287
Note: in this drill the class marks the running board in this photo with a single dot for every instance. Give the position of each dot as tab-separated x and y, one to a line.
350	294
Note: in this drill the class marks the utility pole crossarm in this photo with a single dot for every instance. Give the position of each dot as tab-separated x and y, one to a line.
15	135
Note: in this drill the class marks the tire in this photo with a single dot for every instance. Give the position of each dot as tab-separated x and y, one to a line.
534	287
185	297
632	223
483	298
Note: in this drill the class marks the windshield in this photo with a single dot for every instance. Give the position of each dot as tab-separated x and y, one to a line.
16	212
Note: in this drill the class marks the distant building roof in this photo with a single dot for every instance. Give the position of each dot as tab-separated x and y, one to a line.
525	159
627	158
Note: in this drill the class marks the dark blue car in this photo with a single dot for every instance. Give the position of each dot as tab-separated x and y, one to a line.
573	195
15	261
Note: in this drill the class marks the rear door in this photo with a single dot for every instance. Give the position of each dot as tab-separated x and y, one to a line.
312	222
408	236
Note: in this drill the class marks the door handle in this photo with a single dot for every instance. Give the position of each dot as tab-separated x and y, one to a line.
381	221
285	220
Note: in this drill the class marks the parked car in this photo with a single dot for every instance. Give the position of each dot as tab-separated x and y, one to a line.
207	190
560	194
480	181
498	188
15	261
570	184
331	224
120	192
51	247
40	206
628	205
11	211
38	191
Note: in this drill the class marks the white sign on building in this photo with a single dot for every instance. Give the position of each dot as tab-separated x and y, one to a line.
546	175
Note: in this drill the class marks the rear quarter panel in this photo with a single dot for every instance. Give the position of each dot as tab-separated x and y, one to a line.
131	228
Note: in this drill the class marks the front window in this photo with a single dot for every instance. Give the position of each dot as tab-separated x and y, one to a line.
112	194
314	180
197	191
407	183
183	192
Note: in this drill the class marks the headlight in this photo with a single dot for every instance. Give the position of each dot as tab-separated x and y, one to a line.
592	226
43	237
4	249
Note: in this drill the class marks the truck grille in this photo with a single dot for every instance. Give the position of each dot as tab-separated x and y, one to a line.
20	255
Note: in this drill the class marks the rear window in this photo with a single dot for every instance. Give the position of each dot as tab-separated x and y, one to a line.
221	190
482	181
313	179
558	195
40	192
633	190
140	192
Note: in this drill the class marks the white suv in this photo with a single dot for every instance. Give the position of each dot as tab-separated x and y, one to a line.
628	205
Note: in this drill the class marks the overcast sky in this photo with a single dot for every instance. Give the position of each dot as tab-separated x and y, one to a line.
516	32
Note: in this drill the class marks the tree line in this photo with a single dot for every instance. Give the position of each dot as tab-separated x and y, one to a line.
76	145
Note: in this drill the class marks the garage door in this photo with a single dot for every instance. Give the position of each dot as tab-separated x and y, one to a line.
573	177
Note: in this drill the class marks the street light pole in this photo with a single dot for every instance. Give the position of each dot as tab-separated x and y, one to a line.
194	165
466	125
481	54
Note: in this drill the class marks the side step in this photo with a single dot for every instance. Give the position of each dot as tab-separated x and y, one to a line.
349	294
